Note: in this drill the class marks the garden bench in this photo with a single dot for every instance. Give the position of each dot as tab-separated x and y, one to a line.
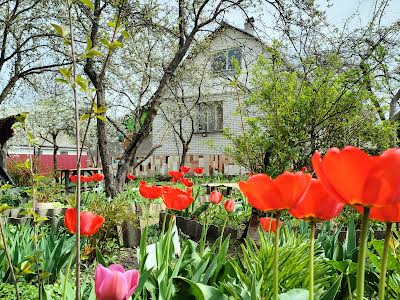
66	173
224	188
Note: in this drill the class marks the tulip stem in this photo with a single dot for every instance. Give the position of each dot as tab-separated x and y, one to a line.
382	278
276	259
362	252
9	259
312	237
222	233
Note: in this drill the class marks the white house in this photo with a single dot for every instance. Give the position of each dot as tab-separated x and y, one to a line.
202	100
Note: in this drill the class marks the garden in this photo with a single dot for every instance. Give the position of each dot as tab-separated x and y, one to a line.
155	150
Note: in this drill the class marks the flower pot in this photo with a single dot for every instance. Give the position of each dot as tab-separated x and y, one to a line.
131	234
194	229
18	221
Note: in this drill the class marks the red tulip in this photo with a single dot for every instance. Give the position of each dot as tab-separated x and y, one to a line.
89	222
113	283
229	206
215	197
269	224
176	175
317	204
383	214
86	179
177	199
281	193
150	192
304	169
184	169
353	177
74	178
98	177
187	182
130	176
198	171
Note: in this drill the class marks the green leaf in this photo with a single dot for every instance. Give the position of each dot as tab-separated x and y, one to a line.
100	258
111	24
117	44
66	72
4	207
6	187
105	42
125	34
101	118
89	43
21	117
85	117
333	290
88	3
198	290
295	294
82	82
350	244
59	30
62	80
92	53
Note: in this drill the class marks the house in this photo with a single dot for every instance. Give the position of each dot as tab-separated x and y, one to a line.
202	102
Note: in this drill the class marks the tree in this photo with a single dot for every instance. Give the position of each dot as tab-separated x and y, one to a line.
26	45
50	118
292	113
191	19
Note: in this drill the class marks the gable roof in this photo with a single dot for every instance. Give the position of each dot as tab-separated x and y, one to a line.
223	25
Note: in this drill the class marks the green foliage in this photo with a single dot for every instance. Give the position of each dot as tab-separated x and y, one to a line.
53	251
294	111
256	265
115	211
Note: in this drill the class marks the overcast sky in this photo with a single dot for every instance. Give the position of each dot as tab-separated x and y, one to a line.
337	12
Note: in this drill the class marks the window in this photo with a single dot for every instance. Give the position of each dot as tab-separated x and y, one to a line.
209	116
223	60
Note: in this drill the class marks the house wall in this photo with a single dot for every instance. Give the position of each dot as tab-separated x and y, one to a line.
198	72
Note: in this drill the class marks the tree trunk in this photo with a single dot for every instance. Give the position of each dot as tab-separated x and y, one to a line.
106	160
185	149
3	157
55	159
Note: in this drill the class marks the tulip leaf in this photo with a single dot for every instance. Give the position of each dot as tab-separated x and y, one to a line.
295	294
198	290
333	290
350	244
100	258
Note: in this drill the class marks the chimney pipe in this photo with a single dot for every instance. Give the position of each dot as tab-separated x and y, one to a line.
249	25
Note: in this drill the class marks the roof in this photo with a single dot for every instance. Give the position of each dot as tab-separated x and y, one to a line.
224	25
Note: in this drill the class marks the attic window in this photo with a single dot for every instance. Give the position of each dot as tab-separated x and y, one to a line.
224	60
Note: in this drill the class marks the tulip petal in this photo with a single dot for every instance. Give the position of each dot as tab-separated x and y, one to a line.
317	204
117	268
261	192
347	170
113	287
100	274
70	220
132	278
292	187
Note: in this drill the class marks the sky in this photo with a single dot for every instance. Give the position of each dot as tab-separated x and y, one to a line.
337	12
343	9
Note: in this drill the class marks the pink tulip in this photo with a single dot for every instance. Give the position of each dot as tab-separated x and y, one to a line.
113	283
215	197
